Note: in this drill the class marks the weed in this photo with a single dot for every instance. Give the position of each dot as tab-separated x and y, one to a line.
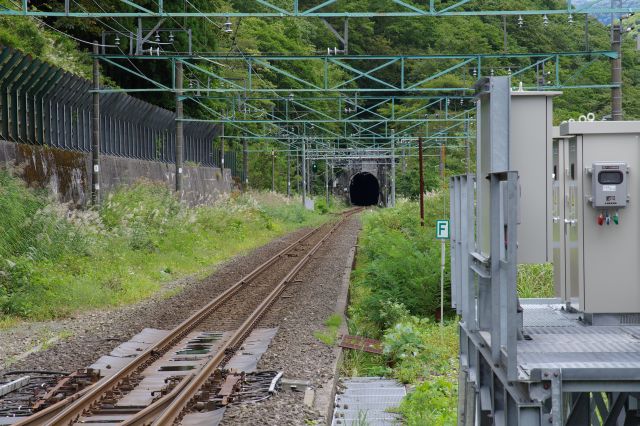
329	335
536	280
361	420
55	261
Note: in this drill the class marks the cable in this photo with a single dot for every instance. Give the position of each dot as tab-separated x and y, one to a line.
62	32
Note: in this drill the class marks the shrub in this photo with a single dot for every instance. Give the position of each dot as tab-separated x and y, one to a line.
400	261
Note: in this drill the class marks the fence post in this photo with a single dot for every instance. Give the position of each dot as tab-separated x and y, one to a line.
95	142
179	126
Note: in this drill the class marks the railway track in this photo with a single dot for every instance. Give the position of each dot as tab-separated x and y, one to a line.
191	346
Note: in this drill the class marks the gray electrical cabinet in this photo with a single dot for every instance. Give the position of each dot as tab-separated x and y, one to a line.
529	152
595	184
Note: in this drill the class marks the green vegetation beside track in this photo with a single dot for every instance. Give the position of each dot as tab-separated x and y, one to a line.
55	261
395	296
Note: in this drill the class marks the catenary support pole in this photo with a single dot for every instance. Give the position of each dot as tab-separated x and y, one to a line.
95	141
442	242
273	170
288	173
616	74
179	126
468	144
420	166
393	168
222	151
304	173
298	172
326	179
245	163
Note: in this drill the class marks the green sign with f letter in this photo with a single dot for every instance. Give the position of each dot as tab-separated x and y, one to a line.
442	229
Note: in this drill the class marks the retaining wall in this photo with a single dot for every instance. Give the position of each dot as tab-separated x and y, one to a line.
67	174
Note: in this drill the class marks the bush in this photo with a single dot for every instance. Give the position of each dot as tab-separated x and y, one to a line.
400	261
431	403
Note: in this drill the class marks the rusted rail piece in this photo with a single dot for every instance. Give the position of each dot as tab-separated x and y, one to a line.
68	411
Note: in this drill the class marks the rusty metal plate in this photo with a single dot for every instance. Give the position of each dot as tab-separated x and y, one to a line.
361	344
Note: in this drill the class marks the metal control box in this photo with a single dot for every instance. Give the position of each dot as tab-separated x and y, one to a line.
609	184
596	222
529	121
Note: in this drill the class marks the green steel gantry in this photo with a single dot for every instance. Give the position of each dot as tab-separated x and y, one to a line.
327	9
389	73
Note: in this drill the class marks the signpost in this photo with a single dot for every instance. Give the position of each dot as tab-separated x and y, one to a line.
442	229
442	233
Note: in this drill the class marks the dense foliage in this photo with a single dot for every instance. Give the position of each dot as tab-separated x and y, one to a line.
401	260
394	296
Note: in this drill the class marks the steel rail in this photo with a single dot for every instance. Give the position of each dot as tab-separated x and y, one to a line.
177	406
69	410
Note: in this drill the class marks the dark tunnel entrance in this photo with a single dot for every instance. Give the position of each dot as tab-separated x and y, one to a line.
364	189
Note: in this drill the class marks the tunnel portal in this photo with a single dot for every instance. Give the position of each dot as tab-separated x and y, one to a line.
364	189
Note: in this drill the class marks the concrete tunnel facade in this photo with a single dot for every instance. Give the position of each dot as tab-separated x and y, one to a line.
364	189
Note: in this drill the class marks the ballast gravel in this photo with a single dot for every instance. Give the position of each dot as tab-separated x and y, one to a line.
302	310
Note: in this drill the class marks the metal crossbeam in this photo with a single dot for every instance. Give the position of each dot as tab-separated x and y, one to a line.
537	71
330	9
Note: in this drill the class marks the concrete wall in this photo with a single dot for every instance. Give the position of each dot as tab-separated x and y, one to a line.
379	170
68	174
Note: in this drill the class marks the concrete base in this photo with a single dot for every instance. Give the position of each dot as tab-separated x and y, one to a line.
325	395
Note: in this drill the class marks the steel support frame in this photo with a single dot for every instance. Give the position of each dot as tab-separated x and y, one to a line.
326	9
339	74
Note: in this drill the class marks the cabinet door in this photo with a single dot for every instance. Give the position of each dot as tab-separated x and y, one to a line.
571	206
557	217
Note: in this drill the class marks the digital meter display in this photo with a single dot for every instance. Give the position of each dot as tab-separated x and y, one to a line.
610	177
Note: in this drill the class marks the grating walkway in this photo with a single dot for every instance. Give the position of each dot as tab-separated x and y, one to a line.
367	401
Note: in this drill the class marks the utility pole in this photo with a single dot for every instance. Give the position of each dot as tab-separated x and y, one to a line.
310	174
304	173
442	243
404	159
95	143
393	168
616	72
222	150
273	170
245	163
289	172
420	166
179	126
298	171
468	147
326	179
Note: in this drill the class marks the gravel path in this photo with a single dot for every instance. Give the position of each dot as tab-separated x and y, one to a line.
77	342
301	311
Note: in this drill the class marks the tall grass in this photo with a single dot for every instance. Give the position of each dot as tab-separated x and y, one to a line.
395	292
55	261
536	280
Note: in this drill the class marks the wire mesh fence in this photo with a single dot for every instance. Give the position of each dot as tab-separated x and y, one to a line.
44	105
